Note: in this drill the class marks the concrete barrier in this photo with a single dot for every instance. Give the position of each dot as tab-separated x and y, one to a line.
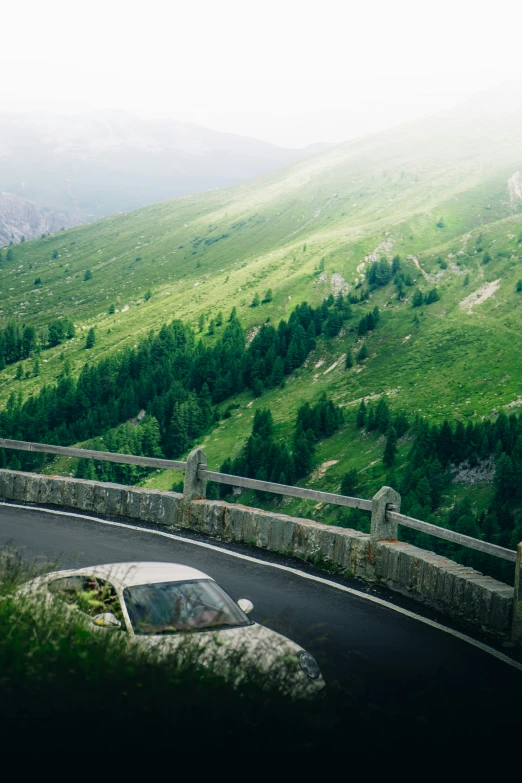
457	591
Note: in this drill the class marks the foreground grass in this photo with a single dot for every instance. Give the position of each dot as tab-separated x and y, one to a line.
69	688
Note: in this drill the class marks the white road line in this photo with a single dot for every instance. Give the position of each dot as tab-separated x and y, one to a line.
463	637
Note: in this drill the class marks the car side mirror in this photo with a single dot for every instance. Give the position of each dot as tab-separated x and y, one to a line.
106	620
245	605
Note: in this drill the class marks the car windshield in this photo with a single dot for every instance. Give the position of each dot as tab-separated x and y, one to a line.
171	607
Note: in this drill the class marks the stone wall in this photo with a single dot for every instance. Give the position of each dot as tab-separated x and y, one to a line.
455	590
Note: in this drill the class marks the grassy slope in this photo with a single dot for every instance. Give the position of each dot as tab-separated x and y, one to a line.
383	195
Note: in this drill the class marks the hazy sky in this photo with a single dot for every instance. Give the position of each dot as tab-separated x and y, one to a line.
289	72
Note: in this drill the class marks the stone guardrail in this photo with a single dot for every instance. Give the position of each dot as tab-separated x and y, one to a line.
458	591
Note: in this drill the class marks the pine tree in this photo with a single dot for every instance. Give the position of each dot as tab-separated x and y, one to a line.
263	424
69	328
257	387
90	470
361	415
349	483
504	479
19	372
382	416
362	327
311	335
91	338
87	275
362	354
401	424
28	341
418	298
150	435
256	300
334	324
268	296
396	264
348	362
433	296
278	372
303	453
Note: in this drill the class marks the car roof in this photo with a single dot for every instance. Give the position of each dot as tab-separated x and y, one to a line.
128	574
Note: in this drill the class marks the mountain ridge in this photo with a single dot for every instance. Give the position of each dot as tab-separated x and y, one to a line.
101	163
429	194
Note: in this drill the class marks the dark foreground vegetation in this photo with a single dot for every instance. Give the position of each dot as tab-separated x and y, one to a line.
69	688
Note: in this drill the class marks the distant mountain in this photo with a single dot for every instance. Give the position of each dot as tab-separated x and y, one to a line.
444	193
438	200
94	165
22	218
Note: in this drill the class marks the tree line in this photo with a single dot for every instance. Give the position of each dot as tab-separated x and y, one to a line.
266	458
19	342
435	452
174	377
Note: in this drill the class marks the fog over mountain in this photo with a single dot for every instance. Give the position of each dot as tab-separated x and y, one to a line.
93	165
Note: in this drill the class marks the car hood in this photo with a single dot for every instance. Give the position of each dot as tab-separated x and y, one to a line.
249	638
232	651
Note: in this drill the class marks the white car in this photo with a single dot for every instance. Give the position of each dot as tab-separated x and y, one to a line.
158	604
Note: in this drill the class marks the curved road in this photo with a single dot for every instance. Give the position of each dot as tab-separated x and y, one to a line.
375	649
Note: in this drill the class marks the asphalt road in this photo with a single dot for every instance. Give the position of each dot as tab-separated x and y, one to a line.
373	649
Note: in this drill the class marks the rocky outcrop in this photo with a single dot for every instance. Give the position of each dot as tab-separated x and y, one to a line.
515	187
22	218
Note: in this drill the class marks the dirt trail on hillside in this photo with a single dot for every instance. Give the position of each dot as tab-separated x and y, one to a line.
421	270
479	296
321	470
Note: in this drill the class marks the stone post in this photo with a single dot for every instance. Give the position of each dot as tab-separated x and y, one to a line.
516	627
381	529
194	488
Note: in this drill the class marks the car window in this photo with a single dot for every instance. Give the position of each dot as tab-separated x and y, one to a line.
173	607
88	594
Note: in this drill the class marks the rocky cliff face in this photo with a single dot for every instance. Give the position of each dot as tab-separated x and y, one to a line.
22	218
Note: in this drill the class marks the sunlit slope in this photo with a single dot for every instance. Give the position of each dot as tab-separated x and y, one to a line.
383	195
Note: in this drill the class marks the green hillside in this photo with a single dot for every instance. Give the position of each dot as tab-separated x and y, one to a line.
445	195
